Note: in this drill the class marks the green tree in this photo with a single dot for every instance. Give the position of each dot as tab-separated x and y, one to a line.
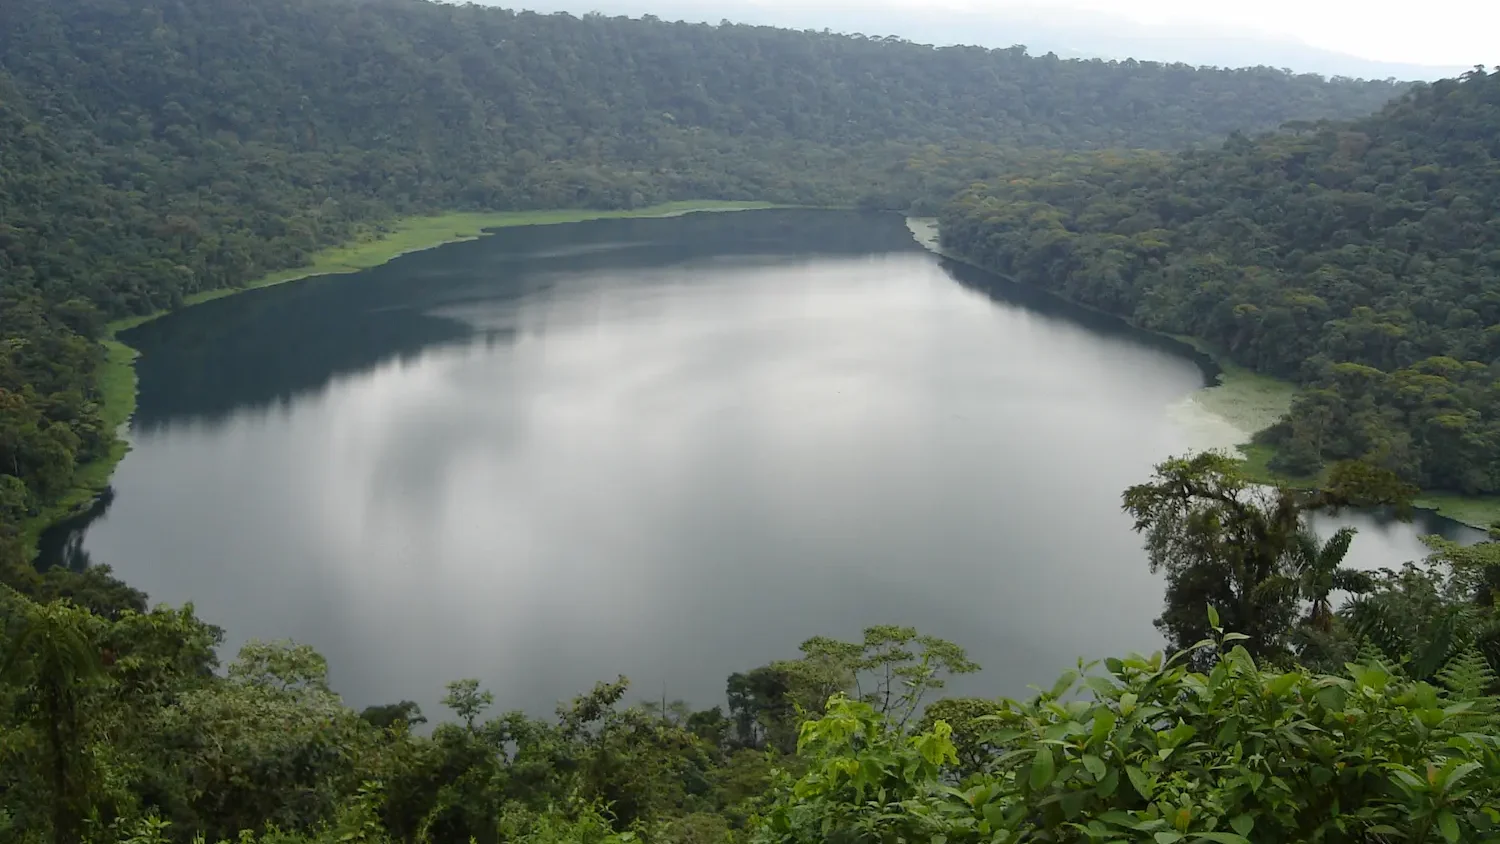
1344	255
465	698
1156	751
1320	571
270	744
893	668
50	652
1244	549
1424	615
972	722
1222	542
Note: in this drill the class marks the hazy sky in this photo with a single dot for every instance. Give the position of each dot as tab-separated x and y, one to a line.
1448	32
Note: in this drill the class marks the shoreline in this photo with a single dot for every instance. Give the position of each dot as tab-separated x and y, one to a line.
381	243
1241	401
1229	413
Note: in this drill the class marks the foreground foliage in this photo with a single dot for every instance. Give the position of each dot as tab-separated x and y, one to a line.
155	150
1155	751
1369	720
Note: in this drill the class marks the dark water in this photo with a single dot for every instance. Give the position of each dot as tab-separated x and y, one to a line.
671	449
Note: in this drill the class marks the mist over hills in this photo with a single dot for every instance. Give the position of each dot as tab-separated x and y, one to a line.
1069	34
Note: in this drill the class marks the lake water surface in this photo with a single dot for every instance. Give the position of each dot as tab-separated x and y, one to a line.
671	449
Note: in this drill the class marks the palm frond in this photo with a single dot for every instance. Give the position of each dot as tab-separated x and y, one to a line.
1375	621
1442	643
1332	555
1353	581
1275	587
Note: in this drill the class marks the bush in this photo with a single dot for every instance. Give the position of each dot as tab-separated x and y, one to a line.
1158	752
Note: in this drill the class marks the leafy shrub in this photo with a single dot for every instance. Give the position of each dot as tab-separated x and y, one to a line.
1157	752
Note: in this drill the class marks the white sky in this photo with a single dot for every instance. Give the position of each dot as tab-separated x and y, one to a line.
1423	33
1446	32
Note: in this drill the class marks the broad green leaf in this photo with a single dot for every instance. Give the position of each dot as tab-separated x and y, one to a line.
1407	778
1043	769
1095	766
1222	837
1111	781
1213	617
1448	825
1243	824
1228	733
1064	683
1140	781
1332	698
1101	686
1458	773
1104	724
995	815
1282	684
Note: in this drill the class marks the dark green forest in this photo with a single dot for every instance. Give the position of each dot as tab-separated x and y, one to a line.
154	149
1360	259
1368	719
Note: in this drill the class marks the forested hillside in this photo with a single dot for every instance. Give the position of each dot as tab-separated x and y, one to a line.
1360	258
153	149
160	148
209	128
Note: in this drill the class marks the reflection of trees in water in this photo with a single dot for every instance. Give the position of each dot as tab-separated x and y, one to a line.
268	356
1429	523
264	348
1047	305
62	544
1420	522
1051	306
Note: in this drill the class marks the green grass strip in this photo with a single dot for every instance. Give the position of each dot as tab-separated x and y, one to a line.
374	246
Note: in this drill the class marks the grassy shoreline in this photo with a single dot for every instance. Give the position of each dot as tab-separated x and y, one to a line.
1250	402
1238	388
371	248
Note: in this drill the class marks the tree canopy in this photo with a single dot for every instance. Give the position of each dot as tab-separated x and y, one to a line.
1359	258
1365	719
155	149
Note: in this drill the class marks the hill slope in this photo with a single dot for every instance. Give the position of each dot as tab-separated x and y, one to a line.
1360	258
158	148
1069	32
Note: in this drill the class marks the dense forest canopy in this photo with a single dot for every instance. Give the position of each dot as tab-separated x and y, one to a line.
1360	258
161	148
153	149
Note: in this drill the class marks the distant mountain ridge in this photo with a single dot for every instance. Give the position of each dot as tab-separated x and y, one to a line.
1068	34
